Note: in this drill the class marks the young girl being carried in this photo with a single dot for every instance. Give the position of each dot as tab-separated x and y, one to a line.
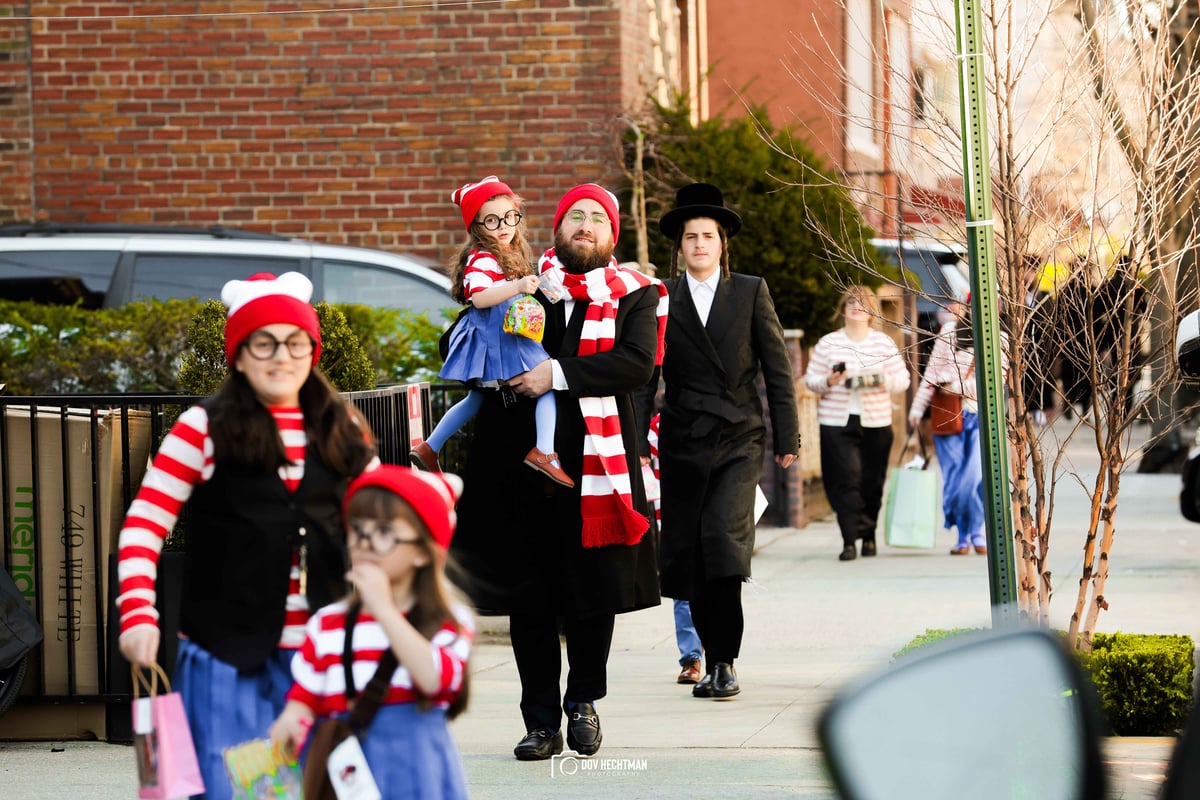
398	525
493	269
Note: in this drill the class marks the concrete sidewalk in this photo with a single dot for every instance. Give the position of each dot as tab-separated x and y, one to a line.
812	622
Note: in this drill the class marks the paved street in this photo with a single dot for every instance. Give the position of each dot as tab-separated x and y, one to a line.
812	623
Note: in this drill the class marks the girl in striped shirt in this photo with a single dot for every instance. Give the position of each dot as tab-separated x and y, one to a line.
260	468
399	523
493	269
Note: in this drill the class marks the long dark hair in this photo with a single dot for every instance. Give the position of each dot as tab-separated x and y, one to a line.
434	599
679	246
243	430
516	259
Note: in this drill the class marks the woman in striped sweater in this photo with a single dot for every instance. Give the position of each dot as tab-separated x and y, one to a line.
855	370
260	468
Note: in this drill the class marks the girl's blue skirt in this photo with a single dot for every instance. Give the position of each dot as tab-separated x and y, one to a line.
412	755
481	351
226	707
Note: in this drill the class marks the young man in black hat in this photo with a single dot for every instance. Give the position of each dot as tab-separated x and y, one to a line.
722	331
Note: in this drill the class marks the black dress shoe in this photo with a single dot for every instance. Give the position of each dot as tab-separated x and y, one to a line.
538	745
724	681
704	687
848	553
868	547
583	729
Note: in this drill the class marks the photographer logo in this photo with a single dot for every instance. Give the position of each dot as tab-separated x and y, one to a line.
569	765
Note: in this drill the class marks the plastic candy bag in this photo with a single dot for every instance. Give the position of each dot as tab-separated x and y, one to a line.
526	317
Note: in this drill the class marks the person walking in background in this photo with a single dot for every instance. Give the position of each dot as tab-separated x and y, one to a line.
576	557
855	370
723	332
261	467
951	368
403	618
493	269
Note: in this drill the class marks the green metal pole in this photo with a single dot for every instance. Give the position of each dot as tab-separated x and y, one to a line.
989	379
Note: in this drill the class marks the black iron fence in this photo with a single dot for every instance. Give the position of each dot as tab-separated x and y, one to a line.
69	468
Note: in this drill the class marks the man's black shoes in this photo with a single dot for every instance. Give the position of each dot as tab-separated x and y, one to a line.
720	682
538	745
583	729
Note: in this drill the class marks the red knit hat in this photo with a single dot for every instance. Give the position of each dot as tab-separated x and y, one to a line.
593	191
263	299
470	197
431	495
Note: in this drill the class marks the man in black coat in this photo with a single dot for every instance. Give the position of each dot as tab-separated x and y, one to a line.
548	556
723	329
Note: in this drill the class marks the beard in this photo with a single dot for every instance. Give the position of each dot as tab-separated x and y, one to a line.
576	259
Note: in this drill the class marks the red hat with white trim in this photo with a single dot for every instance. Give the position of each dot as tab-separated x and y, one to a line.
264	299
431	495
470	197
592	191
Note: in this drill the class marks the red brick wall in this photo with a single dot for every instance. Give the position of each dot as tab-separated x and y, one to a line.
15	145
345	126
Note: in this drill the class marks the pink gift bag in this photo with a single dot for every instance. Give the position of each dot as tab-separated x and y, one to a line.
162	741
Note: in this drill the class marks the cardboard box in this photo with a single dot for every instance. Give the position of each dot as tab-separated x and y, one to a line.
63	522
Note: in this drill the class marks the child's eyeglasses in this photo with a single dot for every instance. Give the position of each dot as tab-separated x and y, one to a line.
263	346
382	538
492	222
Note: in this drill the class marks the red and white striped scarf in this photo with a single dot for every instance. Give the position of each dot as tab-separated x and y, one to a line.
606	499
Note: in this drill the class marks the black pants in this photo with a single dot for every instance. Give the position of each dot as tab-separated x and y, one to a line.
717	615
539	663
854	462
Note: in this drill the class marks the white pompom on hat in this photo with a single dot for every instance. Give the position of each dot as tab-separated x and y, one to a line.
264	299
431	495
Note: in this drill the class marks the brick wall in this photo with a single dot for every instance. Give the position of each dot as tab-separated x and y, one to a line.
15	144
346	126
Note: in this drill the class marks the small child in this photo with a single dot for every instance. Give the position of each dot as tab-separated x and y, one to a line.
493	268
398	525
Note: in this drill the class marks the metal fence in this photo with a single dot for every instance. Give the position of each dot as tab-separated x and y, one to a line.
69	468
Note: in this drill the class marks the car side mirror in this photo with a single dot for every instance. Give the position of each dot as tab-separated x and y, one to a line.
980	716
1187	347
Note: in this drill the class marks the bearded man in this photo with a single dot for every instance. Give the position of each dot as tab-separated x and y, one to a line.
548	557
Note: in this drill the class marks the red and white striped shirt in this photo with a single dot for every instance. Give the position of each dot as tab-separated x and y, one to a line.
482	271
876	354
320	679
184	461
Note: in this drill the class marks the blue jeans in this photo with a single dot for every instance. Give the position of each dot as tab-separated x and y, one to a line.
685	633
962	481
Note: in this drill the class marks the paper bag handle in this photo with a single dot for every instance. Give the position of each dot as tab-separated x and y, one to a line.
151	683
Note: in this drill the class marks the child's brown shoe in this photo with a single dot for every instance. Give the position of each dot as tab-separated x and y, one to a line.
548	466
422	456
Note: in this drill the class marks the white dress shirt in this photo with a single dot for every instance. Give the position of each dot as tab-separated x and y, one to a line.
703	293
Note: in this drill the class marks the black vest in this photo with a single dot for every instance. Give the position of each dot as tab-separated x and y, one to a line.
242	528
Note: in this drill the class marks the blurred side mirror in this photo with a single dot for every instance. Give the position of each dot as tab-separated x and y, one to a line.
996	715
1187	347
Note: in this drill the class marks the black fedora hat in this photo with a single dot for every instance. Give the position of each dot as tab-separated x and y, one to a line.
699	200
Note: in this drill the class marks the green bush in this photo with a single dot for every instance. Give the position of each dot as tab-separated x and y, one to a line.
402	345
1143	681
343	359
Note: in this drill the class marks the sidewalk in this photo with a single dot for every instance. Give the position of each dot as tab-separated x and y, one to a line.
812	622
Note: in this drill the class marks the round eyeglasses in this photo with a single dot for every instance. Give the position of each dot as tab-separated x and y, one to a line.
382	537
263	346
597	219
492	222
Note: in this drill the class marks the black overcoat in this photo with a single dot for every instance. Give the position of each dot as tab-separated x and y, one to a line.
712	434
518	546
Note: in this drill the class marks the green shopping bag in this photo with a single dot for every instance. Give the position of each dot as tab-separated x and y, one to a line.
910	515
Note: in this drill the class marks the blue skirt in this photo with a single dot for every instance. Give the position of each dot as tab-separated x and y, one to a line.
412	755
225	707
481	351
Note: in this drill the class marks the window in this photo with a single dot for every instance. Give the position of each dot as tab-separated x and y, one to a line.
349	282
202	276
57	276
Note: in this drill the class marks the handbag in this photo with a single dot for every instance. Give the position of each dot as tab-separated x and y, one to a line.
910	513
525	317
329	733
945	413
162	741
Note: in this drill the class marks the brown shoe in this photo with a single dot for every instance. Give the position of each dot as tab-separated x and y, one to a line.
422	456
691	672
546	464
981	549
